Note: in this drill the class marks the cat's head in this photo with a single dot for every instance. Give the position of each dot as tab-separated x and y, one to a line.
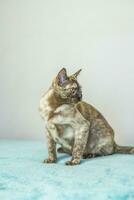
67	86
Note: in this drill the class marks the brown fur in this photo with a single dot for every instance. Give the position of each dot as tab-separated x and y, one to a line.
77	126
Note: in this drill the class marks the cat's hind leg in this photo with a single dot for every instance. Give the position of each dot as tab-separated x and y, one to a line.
90	155
60	150
107	150
100	149
63	150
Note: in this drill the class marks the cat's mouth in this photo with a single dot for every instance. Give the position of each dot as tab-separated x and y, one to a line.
76	95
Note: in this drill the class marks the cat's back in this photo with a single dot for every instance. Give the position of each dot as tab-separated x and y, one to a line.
88	111
97	121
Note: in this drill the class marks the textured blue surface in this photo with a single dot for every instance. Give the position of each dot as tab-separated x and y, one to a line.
23	176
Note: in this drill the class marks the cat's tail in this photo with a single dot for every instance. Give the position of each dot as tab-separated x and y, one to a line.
124	149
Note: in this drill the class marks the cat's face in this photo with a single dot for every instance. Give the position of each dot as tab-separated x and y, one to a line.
67	86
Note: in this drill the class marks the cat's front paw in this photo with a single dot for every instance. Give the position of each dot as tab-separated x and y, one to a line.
49	161
73	162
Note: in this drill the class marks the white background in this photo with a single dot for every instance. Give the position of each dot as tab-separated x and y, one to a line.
37	38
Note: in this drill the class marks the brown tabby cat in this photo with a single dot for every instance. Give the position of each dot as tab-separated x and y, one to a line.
78	127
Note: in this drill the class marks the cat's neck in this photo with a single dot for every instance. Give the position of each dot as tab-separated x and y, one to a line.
55	100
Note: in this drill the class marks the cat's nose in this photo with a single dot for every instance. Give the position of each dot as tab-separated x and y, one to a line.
73	91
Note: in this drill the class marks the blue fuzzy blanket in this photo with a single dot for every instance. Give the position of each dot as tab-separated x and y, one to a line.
23	176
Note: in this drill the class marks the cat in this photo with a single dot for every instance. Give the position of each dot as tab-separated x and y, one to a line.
77	126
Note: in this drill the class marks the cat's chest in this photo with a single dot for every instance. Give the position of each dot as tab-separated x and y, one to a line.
48	111
64	135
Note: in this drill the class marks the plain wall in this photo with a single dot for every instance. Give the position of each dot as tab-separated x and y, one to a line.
37	38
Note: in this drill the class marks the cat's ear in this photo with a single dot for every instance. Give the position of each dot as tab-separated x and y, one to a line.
62	76
74	76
